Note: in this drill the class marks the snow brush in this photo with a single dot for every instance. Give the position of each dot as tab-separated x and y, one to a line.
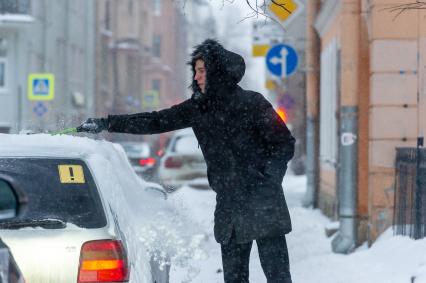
65	131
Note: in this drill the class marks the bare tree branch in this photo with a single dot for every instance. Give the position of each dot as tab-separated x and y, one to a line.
261	5
401	8
282	6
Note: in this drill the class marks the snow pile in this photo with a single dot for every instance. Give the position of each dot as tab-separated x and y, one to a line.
149	223
16	18
391	259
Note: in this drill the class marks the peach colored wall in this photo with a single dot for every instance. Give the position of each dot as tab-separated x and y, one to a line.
422	72
350	52
170	67
394	119
327	195
333	31
386	24
363	126
389	114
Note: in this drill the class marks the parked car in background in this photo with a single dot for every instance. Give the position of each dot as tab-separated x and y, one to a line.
12	203
144	161
183	162
71	230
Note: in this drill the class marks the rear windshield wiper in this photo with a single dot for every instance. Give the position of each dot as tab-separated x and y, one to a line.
44	223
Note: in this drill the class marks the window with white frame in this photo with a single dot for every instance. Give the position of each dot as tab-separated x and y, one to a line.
329	94
107	15
130	6
157	7
156	45
156	85
3	66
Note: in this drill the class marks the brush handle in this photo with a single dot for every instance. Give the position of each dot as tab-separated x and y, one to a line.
65	131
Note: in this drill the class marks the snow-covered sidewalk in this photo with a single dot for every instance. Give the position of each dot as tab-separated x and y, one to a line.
392	259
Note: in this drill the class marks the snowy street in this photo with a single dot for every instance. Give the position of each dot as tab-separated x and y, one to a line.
390	260
182	226
119	117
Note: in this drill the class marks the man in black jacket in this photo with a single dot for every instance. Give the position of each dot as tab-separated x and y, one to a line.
246	146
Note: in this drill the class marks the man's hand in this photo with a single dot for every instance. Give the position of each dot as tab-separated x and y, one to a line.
94	125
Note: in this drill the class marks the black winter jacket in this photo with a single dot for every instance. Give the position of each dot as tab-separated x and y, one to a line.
245	144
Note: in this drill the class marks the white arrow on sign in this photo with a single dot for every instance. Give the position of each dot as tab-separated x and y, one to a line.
282	61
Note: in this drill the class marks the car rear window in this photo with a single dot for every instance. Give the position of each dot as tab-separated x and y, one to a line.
61	189
186	144
136	150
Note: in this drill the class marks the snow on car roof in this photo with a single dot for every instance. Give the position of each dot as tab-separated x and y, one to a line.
48	145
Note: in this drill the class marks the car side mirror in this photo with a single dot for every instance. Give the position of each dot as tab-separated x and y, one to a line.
12	200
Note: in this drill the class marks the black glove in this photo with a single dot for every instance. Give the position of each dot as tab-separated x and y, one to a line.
94	125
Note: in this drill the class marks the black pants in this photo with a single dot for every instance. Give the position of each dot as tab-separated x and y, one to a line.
273	256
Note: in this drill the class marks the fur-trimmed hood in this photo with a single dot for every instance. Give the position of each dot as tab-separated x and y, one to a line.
224	69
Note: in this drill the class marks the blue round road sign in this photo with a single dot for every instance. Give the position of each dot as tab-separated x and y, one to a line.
281	59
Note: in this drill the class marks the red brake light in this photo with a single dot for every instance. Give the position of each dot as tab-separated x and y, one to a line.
147	161
103	261
282	113
172	162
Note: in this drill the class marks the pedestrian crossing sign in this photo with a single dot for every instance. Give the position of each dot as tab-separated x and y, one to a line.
150	99
41	87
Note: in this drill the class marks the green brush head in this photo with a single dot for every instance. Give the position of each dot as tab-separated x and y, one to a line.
65	131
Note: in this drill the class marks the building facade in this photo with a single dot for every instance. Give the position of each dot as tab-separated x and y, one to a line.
41	36
123	40
165	82
370	103
201	25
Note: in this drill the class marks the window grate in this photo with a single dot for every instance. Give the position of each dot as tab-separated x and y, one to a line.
410	193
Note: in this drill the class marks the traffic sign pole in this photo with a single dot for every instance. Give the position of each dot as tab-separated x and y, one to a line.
284	54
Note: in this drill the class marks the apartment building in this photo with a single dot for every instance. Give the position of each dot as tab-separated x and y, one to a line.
41	36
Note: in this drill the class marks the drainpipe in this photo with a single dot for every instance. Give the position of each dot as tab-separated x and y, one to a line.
345	241
312	99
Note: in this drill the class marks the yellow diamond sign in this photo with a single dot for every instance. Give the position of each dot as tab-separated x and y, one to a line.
283	8
260	50
284	11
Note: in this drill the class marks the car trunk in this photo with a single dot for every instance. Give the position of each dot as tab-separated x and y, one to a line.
49	255
193	161
193	168
64	210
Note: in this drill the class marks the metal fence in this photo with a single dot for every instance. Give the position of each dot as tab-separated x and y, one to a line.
410	193
15	6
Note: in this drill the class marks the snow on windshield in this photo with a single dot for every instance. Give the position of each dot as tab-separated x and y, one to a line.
149	223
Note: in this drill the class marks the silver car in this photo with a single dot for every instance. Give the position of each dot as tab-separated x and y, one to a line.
69	232
12	202
142	159
183	162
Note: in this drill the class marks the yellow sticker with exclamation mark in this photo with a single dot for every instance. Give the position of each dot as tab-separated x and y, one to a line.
71	174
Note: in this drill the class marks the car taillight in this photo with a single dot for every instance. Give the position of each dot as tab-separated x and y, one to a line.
173	162
147	161
103	261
